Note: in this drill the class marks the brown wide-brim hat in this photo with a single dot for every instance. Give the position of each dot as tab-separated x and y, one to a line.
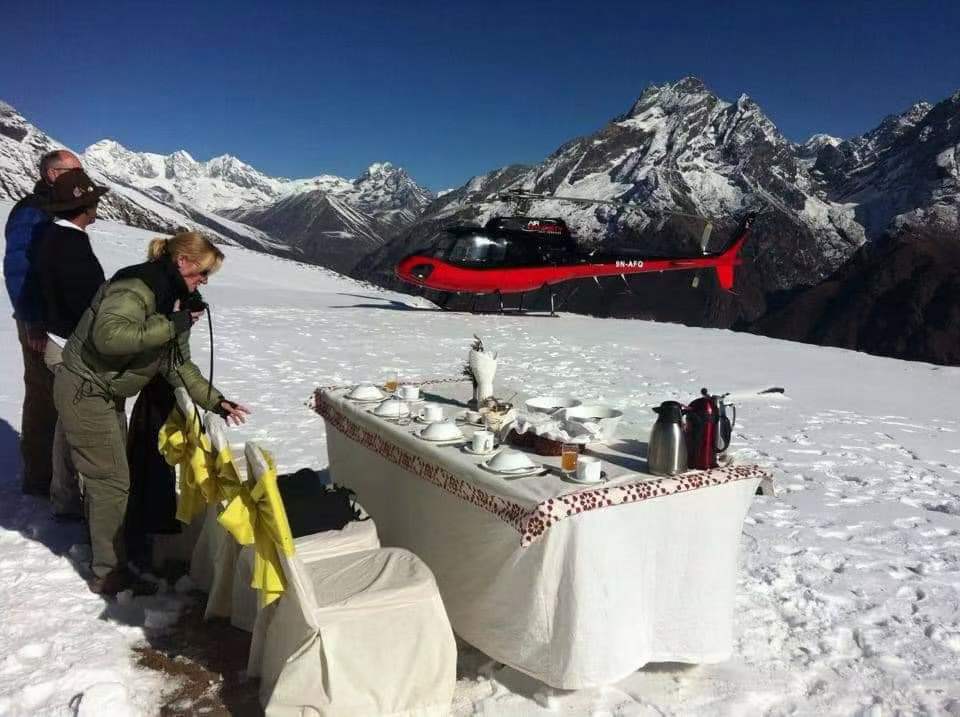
74	190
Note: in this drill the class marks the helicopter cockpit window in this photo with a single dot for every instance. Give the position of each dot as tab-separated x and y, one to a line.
477	248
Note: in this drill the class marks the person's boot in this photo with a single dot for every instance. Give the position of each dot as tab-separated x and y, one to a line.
118	581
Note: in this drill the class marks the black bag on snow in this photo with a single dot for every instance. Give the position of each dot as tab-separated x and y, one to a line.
313	507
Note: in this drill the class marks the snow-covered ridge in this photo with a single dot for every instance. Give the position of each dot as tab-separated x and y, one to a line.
227	183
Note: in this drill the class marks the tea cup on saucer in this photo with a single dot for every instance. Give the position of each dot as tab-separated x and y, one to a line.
431	413
482	442
588	469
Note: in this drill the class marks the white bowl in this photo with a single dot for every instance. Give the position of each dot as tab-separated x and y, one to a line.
510	460
392	409
441	431
604	417
366	392
549	404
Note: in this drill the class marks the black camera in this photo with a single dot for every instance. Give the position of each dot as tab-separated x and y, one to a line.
196	303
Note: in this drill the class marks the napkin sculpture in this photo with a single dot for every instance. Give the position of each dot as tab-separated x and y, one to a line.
481	368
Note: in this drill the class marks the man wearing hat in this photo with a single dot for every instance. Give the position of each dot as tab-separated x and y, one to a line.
24	224
67	274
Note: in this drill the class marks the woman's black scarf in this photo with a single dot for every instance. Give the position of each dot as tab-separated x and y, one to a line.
164	280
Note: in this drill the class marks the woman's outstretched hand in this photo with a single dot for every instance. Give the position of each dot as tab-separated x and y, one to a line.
233	413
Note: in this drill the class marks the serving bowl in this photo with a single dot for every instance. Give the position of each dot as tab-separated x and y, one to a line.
366	392
392	408
509	460
549	404
602	420
441	431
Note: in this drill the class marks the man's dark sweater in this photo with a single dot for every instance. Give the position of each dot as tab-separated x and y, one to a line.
68	275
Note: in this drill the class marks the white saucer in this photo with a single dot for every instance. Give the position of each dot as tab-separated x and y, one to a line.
573	478
476	424
445	442
533	470
469	449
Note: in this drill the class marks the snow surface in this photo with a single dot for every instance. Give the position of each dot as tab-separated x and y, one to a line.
849	584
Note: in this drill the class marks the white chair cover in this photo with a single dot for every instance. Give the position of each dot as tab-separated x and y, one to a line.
179	547
215	555
354	536
358	634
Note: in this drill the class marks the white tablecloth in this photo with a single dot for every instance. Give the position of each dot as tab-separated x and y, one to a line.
576	586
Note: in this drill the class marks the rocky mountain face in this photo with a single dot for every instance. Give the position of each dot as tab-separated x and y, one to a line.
682	148
331	221
343	223
898	297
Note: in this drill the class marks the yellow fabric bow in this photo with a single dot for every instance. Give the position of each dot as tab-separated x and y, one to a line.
224	473
258	517
182	443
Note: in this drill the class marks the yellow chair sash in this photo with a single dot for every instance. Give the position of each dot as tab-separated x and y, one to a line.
258	517
224	472
182	443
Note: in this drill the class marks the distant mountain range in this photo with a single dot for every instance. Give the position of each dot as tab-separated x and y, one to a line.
226	197
679	147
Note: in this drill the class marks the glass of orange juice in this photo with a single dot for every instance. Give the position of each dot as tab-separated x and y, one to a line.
393	380
568	457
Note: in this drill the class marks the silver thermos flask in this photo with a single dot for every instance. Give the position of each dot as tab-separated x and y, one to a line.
667	450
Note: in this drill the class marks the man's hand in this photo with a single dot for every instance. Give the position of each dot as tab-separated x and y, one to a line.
233	413
37	339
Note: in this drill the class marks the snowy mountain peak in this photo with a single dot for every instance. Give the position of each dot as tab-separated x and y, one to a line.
685	93
821	140
378	169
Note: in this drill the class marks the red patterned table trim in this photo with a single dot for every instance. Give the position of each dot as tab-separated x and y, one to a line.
531	523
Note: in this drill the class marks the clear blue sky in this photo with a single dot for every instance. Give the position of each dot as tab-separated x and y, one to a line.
449	90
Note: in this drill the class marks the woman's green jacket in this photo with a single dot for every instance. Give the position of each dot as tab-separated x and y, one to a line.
122	342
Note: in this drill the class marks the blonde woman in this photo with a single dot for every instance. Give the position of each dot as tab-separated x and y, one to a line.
136	327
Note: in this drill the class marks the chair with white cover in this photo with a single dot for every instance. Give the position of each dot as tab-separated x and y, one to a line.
354	536
214	559
363	633
179	547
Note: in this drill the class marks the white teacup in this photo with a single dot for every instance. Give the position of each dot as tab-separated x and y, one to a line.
588	469
408	392
431	413
472	416
482	442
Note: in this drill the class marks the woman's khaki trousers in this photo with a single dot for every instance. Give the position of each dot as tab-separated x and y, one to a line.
96	432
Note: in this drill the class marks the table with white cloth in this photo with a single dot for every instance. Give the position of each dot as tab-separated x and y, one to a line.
576	585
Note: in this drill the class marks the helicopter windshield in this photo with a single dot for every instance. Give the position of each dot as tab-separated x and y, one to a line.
476	249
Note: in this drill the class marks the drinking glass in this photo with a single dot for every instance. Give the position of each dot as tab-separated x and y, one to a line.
403	419
393	380
568	457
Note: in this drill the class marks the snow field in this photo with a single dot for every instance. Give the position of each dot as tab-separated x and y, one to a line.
849	586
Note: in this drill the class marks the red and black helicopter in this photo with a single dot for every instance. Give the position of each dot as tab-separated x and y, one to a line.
520	254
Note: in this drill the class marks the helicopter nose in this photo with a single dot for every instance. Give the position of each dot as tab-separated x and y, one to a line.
414	267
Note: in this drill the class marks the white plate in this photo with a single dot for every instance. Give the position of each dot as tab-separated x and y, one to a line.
533	470
469	449
444	442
